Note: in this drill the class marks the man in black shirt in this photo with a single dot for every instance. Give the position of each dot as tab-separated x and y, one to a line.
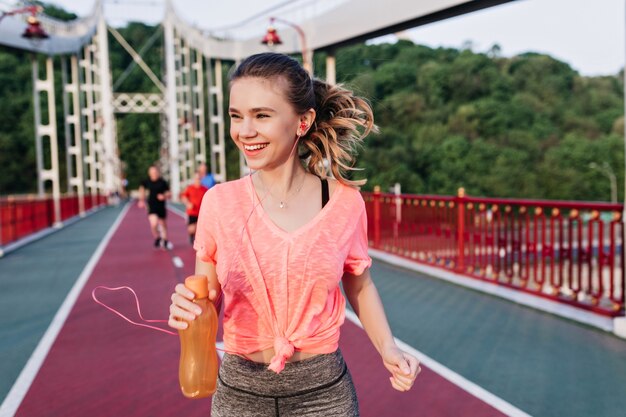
158	192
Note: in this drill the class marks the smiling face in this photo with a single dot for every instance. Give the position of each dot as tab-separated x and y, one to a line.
264	125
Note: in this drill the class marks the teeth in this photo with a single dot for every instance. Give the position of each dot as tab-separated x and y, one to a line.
254	147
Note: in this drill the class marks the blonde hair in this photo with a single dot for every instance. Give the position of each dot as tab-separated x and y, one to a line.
342	119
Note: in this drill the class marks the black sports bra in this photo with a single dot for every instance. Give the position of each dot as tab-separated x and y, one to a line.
325	192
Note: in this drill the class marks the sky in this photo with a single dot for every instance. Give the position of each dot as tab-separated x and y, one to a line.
587	34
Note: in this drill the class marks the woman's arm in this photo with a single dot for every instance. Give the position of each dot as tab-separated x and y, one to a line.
182	308
215	290
364	299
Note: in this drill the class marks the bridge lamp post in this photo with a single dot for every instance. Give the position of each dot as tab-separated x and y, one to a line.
606	169
33	32
271	38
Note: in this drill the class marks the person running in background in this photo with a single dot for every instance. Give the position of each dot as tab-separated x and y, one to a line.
158	193
192	197
206	178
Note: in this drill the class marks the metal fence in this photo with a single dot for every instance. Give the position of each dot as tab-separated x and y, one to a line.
571	252
23	216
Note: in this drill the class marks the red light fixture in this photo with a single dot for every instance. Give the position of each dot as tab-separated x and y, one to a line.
271	38
34	31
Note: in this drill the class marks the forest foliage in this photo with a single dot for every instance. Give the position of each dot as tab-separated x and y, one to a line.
527	126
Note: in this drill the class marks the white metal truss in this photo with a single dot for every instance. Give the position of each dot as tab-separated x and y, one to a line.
110	161
97	147
184	108
197	109
216	118
138	103
88	120
46	133
73	132
102	166
164	151
172	120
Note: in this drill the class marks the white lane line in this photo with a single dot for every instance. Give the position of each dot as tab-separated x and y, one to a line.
24	381
458	380
178	263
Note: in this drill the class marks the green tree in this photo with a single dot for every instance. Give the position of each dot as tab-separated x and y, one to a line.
525	126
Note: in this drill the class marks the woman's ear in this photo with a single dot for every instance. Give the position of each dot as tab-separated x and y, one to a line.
306	121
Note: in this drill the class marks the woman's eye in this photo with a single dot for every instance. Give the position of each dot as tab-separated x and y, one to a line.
262	116
235	116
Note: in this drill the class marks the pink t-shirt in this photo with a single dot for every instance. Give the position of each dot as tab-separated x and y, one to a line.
281	289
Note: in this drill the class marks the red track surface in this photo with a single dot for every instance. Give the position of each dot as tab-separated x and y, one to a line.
102	366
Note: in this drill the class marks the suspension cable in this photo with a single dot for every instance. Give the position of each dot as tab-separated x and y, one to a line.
141	51
137	58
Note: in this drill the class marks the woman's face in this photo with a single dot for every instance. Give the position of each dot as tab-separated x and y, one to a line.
263	124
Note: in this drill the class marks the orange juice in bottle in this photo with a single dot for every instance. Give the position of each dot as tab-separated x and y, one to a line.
198	356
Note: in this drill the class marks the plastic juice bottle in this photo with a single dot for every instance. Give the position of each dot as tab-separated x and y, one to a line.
198	356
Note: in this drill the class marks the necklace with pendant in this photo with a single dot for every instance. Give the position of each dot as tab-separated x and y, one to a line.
282	203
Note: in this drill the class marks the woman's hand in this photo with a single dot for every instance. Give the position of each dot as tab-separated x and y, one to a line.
403	366
183	309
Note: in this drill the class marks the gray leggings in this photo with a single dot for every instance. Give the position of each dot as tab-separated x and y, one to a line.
320	386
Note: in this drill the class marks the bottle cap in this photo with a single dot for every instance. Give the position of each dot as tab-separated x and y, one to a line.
199	284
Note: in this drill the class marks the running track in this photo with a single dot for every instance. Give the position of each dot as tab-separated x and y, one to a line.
99	365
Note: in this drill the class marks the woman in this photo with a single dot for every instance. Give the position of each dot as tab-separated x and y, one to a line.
278	242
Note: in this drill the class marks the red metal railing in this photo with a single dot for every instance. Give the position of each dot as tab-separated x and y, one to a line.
22	216
571	252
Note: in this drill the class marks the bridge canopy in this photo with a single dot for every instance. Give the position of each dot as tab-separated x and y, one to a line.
327	24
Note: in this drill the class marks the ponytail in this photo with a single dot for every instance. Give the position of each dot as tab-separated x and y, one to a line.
342	121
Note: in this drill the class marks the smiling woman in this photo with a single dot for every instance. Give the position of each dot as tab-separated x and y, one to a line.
265	134
279	242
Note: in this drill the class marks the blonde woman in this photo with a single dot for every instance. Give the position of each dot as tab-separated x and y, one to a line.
278	243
